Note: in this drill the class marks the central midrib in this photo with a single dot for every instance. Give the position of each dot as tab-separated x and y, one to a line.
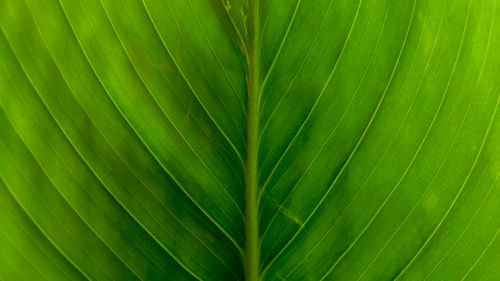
252	253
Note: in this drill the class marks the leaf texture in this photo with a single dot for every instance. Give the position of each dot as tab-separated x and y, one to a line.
249	140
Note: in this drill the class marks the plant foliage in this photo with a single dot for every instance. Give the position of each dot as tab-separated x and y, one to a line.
249	140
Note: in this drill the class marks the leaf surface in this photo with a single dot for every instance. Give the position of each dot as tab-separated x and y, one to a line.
249	140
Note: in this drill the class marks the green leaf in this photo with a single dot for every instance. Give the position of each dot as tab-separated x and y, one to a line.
249	140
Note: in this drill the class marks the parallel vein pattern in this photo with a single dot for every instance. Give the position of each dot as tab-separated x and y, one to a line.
249	140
